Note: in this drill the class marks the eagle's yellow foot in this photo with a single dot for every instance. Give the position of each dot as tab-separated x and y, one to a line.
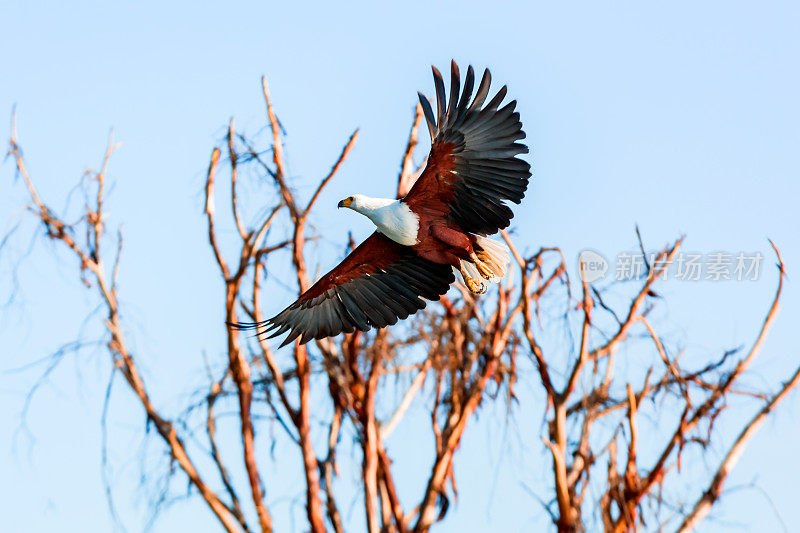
483	270
475	286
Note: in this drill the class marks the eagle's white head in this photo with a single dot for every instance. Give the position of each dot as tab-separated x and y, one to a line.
364	204
392	217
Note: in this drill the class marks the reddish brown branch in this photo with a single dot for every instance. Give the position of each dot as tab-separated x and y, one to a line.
464	344
234	178
239	367
345	151
714	491
406	178
117	345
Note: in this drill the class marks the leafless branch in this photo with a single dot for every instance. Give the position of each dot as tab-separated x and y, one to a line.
464	349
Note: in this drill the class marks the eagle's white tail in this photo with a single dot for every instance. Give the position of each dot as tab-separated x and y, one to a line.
492	256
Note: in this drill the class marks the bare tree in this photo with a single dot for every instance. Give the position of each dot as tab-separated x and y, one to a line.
456	356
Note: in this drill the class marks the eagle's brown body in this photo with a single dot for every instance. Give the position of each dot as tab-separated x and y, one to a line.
439	238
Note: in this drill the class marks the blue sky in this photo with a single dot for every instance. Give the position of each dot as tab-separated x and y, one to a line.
682	117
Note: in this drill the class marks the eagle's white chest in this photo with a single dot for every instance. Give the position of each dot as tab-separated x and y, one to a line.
396	221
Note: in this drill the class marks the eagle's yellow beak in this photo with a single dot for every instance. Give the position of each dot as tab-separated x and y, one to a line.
346	202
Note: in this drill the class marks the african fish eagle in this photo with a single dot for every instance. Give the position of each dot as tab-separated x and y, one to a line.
441	224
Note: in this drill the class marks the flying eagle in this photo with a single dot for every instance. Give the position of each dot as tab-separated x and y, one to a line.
438	227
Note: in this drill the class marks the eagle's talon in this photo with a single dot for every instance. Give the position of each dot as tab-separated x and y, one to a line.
475	286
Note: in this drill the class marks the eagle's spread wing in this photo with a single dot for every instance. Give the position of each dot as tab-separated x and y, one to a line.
377	284
472	167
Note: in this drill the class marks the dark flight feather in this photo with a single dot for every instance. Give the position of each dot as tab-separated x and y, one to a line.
473	166
379	283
